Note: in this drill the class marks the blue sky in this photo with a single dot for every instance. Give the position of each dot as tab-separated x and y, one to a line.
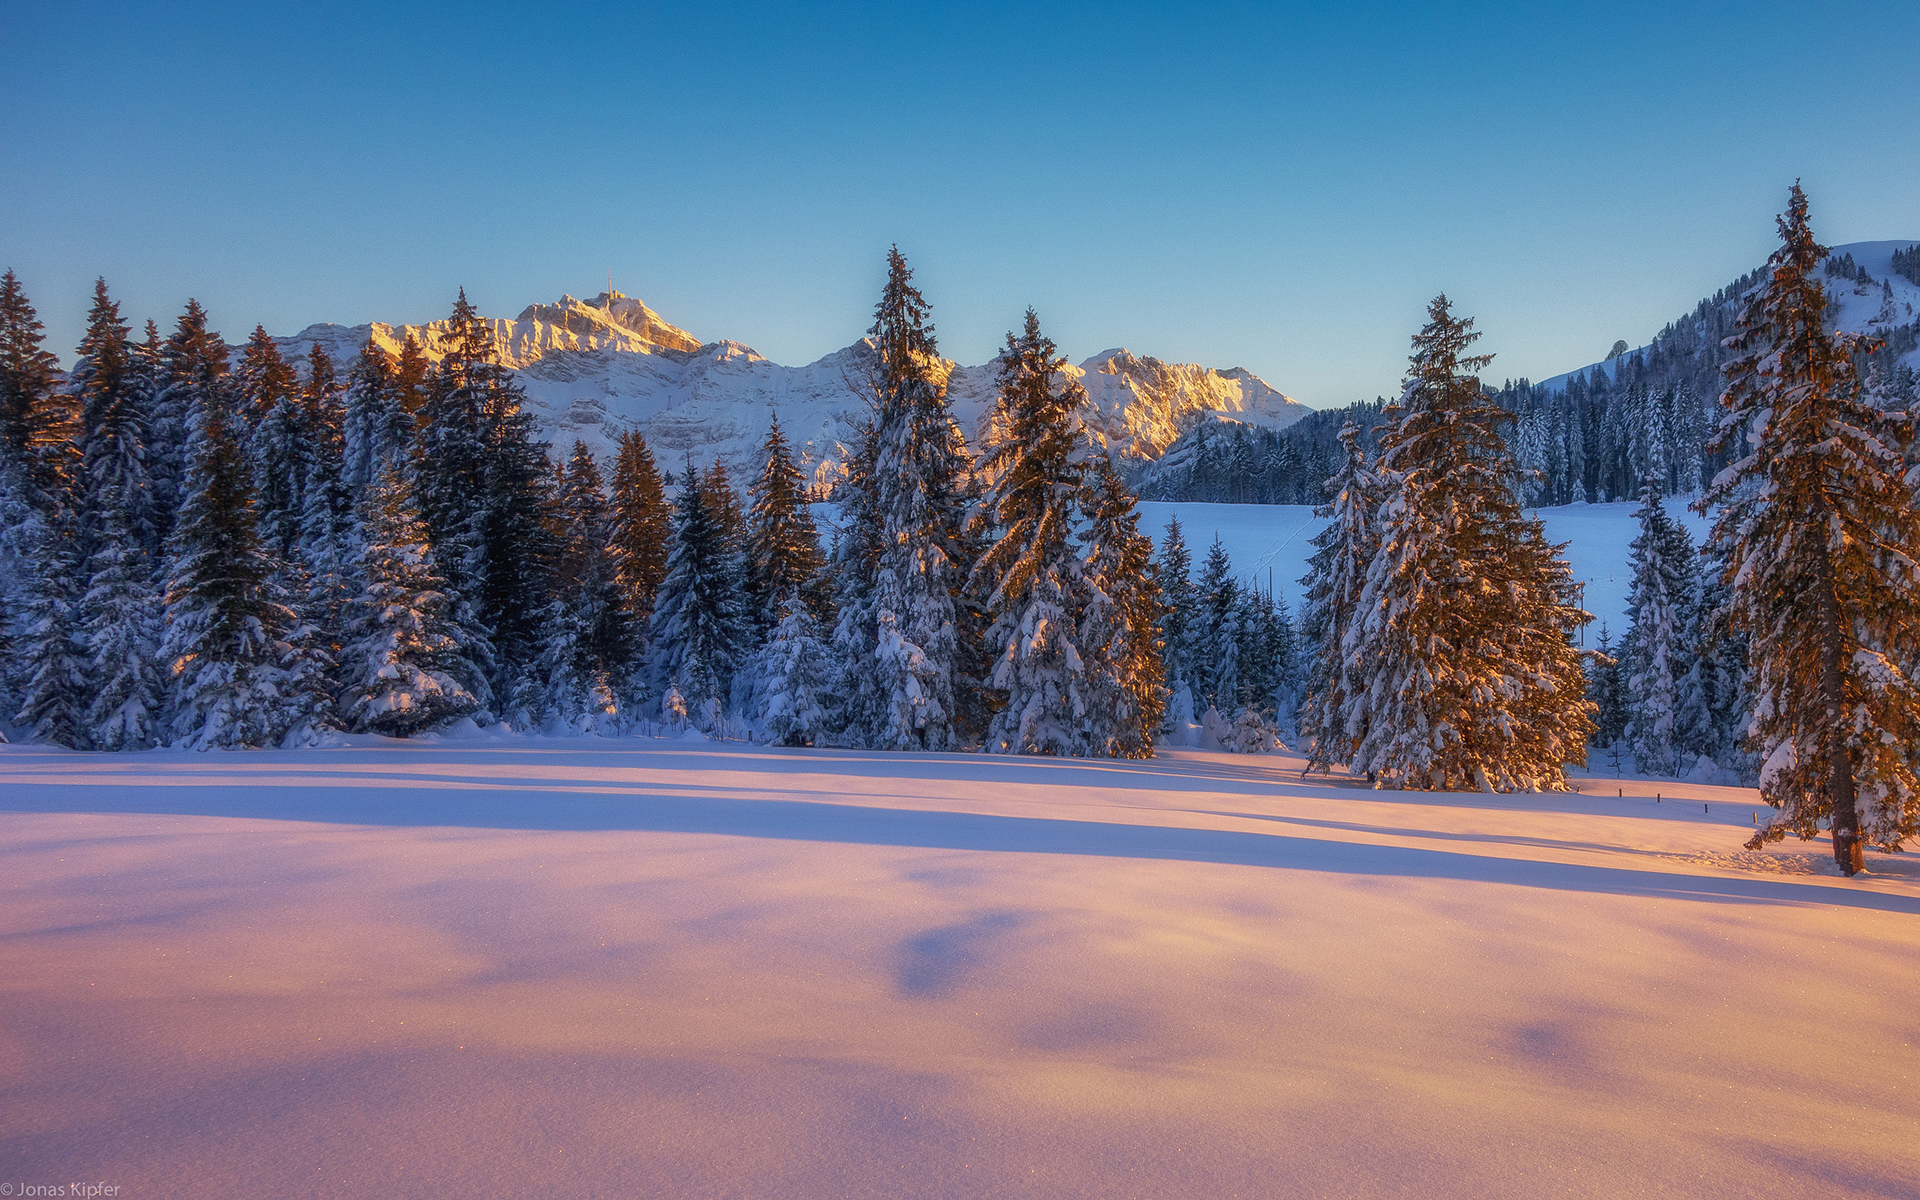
1276	187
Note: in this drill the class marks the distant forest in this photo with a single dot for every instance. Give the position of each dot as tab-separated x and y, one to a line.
1594	436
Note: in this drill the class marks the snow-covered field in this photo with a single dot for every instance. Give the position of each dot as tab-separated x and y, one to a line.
540	967
1278	538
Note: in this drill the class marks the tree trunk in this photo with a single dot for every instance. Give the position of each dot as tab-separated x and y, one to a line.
1847	850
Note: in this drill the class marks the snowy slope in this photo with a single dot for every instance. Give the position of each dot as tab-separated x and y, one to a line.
640	968
592	368
1277	539
1862	306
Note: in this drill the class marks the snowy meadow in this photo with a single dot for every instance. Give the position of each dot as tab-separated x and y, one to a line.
621	967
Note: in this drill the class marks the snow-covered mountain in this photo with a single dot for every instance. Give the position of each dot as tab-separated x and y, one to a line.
594	368
1873	299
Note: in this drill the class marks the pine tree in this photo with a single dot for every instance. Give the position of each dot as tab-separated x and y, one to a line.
856	700
699	627
410	663
642	527
34	418
52	649
268	392
1030	576
1120	625
194	371
591	646
118	610
918	478
783	545
1819	536
377	429
1464	633
225	641
793	676
1607	688
1656	651
1216	634
1173	570
1336	578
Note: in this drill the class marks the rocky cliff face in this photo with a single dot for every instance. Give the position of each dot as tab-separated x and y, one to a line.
594	368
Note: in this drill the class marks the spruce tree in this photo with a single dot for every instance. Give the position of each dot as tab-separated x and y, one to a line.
194	370
642	527
1465	622
783	545
700	626
377	429
225	642
1119	633
410	664
34	418
1173	570
1029	577
1656	650
1337	575
119	609
1607	688
268	395
918	476
1215	632
54	665
793	677
591	641
1819	536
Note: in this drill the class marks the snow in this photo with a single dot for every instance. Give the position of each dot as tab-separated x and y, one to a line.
1858	305
643	967
593	369
1278	538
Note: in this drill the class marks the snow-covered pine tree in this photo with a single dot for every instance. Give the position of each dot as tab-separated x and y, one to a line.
35	417
1463	626
1336	577
1215	633
409	664
855	696
487	497
119	609
1660	603
377	430
225	641
794	676
195	368
919	480
700	628
642	527
53	664
590	648
1820	538
1120	625
1029	578
783	545
269	400
1173	570
1715	706
1607	688
322	576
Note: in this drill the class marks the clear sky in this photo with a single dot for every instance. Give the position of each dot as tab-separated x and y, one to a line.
1277	187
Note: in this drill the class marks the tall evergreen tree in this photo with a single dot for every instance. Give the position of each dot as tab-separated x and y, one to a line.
194	372
783	544
1336	578
35	419
1030	576
918	476
54	664
268	394
227	623
1607	688
642	527
793	677
377	430
1819	535
1659	602
117	613
1173	570
1471	680
410	664
1119	631
1215	631
591	641
699	632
